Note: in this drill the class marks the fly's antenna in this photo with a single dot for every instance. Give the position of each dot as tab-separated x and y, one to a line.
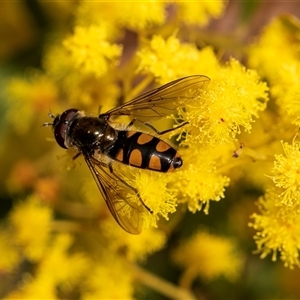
52	116
47	124
99	109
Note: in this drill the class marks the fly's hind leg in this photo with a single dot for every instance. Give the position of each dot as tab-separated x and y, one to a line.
128	185
165	131
153	128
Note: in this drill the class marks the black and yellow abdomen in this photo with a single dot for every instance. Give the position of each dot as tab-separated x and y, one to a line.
144	151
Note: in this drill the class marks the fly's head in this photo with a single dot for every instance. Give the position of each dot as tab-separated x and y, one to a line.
61	125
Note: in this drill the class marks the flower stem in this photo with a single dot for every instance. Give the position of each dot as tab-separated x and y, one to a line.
160	285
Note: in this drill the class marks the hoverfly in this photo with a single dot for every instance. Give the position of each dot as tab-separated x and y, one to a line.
101	144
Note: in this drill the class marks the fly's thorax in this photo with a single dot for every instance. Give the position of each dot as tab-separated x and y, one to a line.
90	133
109	137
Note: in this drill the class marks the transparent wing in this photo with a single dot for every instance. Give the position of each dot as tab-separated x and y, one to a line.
161	102
114	191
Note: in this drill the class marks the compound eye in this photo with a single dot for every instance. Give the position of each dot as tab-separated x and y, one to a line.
61	124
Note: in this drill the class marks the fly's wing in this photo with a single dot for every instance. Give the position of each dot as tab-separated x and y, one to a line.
114	191
161	102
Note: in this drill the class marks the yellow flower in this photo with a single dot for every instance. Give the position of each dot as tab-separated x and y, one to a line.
34	288
208	256
108	278
195	12
286	174
278	231
199	181
153	190
31	222
139	15
136	16
57	268
83	90
90	51
280	36
147	243
230	102
71	266
292	104
216	116
165	58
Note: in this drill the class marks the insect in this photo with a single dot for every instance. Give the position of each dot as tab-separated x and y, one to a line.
102	144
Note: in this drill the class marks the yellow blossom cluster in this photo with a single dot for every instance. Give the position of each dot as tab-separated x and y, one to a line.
63	261
200	14
208	184
278	217
56	268
137	16
230	103
208	256
286	174
90	52
60	238
164	58
277	224
152	187
40	216
278	229
276	56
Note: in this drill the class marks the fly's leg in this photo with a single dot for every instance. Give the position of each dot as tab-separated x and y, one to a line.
165	131
153	128
131	187
77	155
131	123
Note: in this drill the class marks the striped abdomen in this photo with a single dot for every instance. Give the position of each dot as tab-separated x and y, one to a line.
144	151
